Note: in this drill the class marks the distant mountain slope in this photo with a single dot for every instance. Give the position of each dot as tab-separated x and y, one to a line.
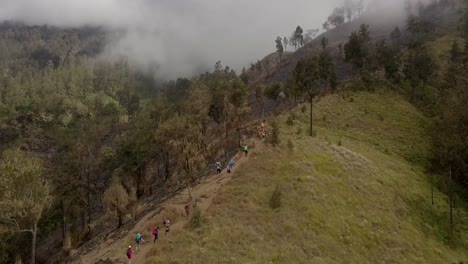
381	22
36	46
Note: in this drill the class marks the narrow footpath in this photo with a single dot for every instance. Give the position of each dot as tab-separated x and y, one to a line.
204	192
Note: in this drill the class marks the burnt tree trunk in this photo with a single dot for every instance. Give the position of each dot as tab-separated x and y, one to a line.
413	93
166	166
119	216
64	220
83	219
88	179
451	203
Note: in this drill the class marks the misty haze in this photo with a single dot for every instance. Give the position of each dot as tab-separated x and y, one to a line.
219	131
178	37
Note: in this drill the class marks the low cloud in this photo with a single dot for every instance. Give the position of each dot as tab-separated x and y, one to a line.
179	38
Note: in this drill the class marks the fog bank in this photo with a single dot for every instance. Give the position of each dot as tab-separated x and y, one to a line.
180	38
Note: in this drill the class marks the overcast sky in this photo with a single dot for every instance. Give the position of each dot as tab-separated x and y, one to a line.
181	36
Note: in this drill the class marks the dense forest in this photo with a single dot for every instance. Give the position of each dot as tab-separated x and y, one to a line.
84	123
82	138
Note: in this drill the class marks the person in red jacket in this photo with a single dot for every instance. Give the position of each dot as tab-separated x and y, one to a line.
187	210
155	234
129	254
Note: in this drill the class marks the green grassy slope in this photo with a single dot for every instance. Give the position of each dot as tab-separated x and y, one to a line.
366	201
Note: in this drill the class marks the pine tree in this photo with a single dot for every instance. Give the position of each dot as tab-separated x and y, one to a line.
285	43
116	200
307	76
279	46
418	69
24	194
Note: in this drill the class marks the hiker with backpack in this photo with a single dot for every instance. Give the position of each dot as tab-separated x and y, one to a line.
138	240
129	254
167	223
155	233
218	167
230	165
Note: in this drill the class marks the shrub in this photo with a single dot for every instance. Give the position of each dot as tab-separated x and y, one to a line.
299	131
293	116
275	199
303	108
275	133
381	118
116	200
290	145
195	220
290	121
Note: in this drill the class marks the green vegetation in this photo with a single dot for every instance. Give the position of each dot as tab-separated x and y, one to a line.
275	133
279	46
297	38
364	201
24	194
94	123
275	199
116	200
195	219
105	135
314	76
290	145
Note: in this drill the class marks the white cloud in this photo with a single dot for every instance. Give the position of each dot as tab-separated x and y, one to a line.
181	36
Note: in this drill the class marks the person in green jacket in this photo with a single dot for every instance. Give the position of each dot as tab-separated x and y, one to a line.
246	150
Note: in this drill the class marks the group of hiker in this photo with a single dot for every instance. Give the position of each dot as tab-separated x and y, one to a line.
262	132
228	168
139	238
167	222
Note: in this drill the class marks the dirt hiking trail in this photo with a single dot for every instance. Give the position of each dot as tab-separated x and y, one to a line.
113	250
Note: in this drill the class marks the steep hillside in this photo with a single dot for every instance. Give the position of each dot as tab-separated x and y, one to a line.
282	69
114	150
356	193
382	21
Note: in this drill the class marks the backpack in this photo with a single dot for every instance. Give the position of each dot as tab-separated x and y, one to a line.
128	252
138	237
